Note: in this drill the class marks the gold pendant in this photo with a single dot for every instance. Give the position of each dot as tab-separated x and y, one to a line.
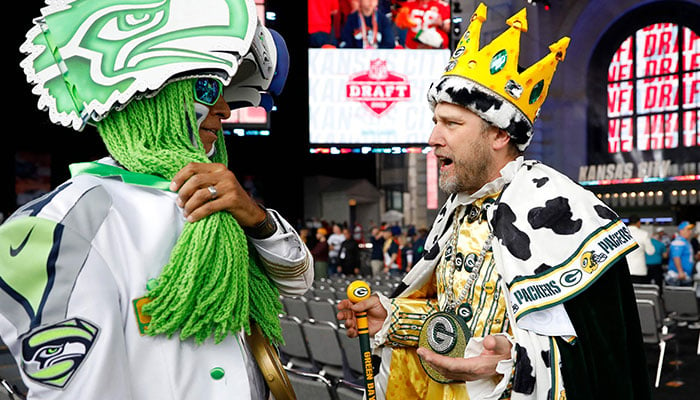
446	334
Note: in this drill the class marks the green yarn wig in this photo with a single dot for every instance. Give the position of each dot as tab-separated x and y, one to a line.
207	286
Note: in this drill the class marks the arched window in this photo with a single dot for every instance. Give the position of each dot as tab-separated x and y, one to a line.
654	90
643	91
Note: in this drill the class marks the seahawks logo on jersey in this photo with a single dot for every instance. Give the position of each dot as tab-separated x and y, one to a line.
52	354
40	261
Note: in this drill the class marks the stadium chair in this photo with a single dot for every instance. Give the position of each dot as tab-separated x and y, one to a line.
353	355
325	292
349	391
309	294
324	347
295	352
10	379
386	289
646	286
338	278
651	333
682	304
9	391
296	307
656	298
310	386
340	288
322	310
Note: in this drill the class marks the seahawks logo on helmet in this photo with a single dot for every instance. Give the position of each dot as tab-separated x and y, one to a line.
87	57
52	354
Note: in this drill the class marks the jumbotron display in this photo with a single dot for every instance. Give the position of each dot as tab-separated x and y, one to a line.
371	96
654	90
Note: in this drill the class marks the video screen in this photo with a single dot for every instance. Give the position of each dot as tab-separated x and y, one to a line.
371	96
371	63
372	24
654	90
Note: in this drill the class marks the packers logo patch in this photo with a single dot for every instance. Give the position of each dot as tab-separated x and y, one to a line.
51	355
590	260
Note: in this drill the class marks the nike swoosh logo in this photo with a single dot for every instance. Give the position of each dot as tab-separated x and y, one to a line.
15	251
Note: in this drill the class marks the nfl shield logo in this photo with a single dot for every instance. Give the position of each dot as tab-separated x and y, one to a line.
378	88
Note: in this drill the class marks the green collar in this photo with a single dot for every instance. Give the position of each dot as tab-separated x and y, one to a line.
133	178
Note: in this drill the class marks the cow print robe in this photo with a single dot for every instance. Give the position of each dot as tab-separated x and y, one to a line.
540	224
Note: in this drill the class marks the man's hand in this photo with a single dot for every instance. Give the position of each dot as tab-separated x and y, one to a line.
679	267
192	182
376	314
496	348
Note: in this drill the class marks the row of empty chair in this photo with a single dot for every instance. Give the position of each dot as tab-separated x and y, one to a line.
317	387
322	362
660	308
321	347
317	309
335	287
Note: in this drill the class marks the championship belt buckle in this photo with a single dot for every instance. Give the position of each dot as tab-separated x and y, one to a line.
446	334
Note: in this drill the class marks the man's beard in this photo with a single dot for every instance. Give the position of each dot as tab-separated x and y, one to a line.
468	175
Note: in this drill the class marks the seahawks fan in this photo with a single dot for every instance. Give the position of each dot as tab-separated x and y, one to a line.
145	274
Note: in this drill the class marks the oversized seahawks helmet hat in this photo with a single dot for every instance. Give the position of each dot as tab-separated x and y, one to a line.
89	57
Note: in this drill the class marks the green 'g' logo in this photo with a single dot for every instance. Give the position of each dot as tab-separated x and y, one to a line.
51	355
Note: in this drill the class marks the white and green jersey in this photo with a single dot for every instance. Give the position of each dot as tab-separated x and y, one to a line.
73	266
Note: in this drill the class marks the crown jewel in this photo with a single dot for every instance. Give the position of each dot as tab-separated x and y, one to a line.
495	66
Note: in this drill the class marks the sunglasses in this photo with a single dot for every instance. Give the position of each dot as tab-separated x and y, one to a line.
207	91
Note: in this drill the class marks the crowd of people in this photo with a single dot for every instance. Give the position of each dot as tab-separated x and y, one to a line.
387	24
664	258
336	247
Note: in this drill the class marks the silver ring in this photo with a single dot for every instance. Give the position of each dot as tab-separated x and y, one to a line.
213	192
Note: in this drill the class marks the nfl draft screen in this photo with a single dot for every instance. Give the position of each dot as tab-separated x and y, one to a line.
654	90
364	96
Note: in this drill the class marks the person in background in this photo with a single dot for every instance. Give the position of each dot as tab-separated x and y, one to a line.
427	23
406	249
419	244
335	240
377	258
304	235
636	259
349	257
655	270
367	28
392	250
681	257
320	254
358	233
322	16
694	242
345	8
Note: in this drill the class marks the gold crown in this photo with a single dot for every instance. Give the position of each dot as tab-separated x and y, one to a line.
495	66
